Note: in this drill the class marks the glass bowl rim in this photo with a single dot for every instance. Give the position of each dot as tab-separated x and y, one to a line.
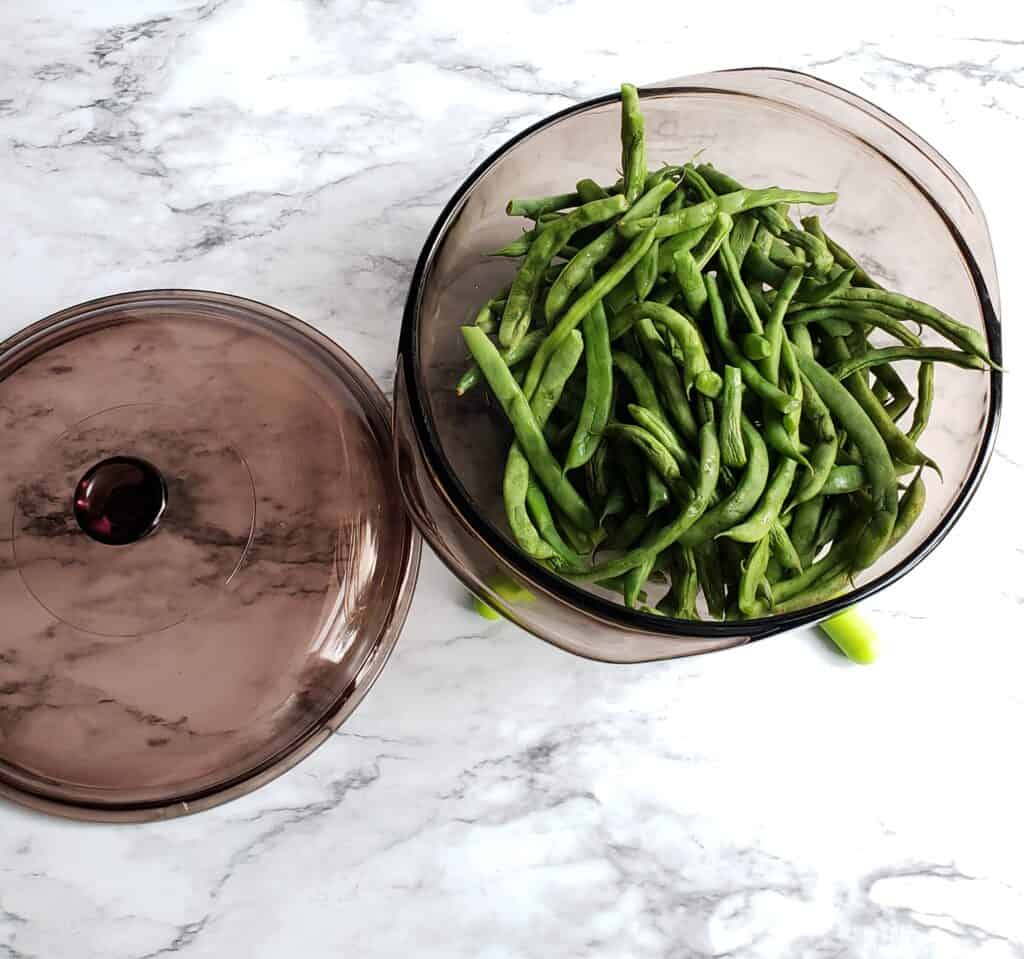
564	590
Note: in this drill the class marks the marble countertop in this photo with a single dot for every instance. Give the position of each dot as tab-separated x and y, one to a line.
493	797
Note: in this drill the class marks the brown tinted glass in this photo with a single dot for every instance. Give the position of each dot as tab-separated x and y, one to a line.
903	210
205	560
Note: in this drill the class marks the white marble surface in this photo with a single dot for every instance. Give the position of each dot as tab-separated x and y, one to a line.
493	797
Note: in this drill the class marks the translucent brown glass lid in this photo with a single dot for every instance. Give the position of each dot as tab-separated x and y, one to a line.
203	559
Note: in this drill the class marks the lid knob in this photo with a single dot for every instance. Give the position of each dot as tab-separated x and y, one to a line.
120	500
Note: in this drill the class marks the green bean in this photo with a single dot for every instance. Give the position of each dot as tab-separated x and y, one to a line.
862	316
527	346
753	575
691	282
910	508
619	298
634	579
753	380
891	354
709	385
653	543
742	236
695	360
730	510
658	494
583	305
670	246
634	374
690	217
715	235
653	450
588	190
849	413
730	433
727	260
844	479
878	532
614	503
667	377
767	511
681	600
645	273
520	246
842	258
826	588
818	253
783	549
813	293
597	401
756	347
774	329
634	150
823	455
634	526
959	334
598	249
805	524
925	397
710	577
528	431
537	505
887	378
632	464
782	430
535	208
685	523
655	424
523	292
517	469
901	446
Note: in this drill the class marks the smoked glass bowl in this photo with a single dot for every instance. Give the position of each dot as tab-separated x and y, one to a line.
903	211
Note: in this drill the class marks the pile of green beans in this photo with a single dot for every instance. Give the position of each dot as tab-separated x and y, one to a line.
696	407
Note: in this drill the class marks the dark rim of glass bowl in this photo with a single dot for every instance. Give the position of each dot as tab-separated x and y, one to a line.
606	609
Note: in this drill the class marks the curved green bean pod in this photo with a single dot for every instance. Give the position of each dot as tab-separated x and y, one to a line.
738	504
598	249
966	337
767	511
523	292
659	428
680	326
526	347
700	214
528	431
597	400
925	398
537	505
849	413
891	354
730	432
843	259
654	451
667	377
634	374
783	549
634	150
753	575
658	494
752	378
911	506
583	305
517	470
